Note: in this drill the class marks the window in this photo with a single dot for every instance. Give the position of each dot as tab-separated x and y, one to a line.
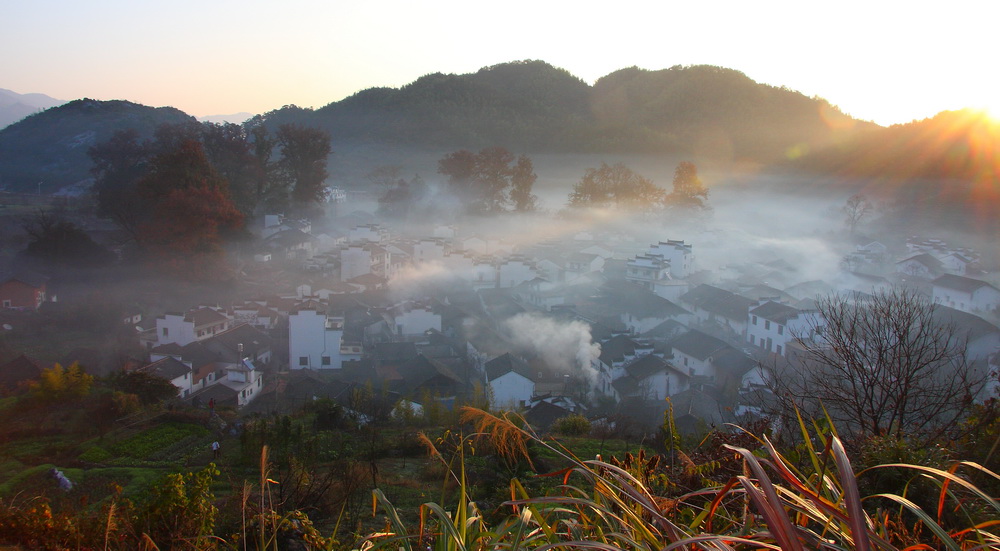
778	349
166	331
755	320
685	361
325	360
303	360
767	325
6	304
753	339
781	329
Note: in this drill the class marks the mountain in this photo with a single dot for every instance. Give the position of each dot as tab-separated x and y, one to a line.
51	146
14	106
527	106
533	106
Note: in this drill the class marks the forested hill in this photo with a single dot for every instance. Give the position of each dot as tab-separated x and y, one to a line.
533	106
51	147
951	146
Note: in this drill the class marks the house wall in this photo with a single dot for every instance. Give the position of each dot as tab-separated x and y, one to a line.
514	272
354	262
693	366
17	294
772	336
172	328
416	322
662	385
310	341
428	251
511	391
183	384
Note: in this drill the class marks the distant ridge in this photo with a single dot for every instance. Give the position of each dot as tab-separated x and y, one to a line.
530	106
51	147
14	106
533	106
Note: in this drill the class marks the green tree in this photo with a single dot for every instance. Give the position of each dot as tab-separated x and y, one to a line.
270	183
150	389
180	511
522	179
689	191
231	154
304	152
192	210
615	186
487	182
53	241
118	164
58	384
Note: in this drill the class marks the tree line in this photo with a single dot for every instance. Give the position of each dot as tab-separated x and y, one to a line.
179	194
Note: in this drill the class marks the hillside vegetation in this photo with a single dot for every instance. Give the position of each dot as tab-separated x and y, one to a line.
527	106
51	147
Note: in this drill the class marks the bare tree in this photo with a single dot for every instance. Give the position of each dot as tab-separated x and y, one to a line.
885	364
857	207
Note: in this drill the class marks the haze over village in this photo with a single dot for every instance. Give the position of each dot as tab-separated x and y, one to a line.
470	280
596	308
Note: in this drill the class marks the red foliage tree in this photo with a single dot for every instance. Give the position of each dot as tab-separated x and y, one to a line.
191	209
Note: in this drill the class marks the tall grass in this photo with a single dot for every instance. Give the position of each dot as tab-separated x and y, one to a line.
772	505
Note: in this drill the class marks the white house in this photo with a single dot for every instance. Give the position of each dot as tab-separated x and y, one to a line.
651	378
511	382
923	266
719	311
773	325
177	372
514	271
678	254
429	250
693	353
965	294
646	270
368	233
314	340
413	319
198	324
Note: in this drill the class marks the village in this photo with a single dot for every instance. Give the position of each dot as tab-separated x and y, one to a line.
599	324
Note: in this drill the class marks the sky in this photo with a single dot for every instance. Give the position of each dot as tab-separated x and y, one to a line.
885	61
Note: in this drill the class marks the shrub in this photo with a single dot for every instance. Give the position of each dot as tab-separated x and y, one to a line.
572	425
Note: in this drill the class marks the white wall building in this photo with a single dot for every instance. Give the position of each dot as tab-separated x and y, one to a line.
965	294
195	325
414	320
314	340
677	253
772	325
514	271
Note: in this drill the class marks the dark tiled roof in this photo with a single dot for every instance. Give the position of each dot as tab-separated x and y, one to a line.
698	345
718	301
775	311
167	368
965	324
646	366
616	348
501	365
959	283
205	316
